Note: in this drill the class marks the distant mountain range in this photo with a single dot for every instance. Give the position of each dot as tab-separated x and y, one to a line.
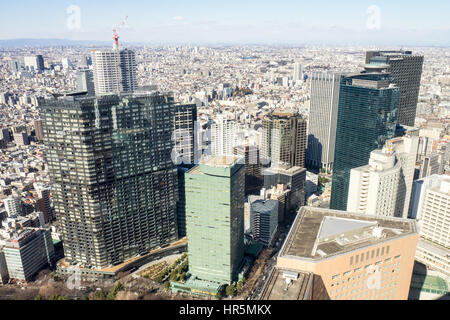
51	42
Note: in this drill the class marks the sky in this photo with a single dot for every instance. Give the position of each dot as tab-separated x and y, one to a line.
393	22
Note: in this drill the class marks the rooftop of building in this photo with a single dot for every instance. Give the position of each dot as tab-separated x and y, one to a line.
277	288
285	169
319	233
264	206
220	161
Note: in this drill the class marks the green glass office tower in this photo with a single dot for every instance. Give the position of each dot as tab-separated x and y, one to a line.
215	195
367	117
114	183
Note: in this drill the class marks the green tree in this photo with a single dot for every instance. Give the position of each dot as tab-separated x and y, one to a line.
58	297
100	295
167	285
239	286
114	291
39	297
230	290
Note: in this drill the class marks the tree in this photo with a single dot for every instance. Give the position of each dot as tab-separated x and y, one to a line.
231	290
39	297
100	295
114	291
167	285
58	297
239	286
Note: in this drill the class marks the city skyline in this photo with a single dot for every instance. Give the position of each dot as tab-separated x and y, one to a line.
285	22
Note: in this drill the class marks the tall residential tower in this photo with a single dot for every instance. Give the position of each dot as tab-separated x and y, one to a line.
114	184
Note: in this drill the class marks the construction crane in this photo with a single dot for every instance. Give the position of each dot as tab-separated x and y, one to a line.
116	32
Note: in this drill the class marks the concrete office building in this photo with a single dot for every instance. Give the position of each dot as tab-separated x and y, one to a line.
43	201
39	133
405	149
284	139
294	178
433	210
34	63
430	205
114	71
114	184
13	205
27	252
253	167
429	166
21	139
298	73
85	82
264	220
223	134
4	277
383	187
354	256
186	147
406	70
215	198
325	88
367	117
5	135
373	189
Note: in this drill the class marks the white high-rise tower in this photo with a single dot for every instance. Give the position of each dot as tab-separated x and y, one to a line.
114	71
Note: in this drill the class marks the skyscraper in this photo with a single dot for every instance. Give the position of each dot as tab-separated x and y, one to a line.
406	71
114	184
405	149
429	166
223	133
323	119
298	73
264	220
114	71
373	189
215	219
34	63
253	167
186	147
367	117
430	204
284	139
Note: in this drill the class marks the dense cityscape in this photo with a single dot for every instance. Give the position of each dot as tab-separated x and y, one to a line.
224	172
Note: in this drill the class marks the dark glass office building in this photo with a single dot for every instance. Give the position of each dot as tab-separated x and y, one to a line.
406	71
367	117
114	182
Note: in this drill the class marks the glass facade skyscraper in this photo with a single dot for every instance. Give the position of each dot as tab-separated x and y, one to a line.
215	195
367	117
114	182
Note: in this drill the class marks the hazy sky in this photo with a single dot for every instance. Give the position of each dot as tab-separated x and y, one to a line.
399	22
